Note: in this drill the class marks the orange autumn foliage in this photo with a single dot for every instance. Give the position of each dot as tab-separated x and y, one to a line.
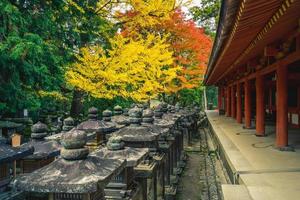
191	48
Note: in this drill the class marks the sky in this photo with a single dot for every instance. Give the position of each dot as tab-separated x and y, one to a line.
186	9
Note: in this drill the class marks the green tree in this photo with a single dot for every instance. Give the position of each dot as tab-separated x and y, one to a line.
30	59
84	23
207	15
38	40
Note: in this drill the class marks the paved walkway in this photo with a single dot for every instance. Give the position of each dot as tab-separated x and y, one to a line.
263	172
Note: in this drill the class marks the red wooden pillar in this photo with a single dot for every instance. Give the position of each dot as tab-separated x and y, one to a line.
247	104
270	101
281	107
228	102
225	100
233	100
219	98
238	103
260	106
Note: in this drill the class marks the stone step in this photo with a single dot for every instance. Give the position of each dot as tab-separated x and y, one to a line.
235	192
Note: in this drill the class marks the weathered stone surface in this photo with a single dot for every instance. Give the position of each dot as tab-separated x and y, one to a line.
96	126
164	107
74	154
135	115
133	156
77	176
126	110
115	143
135	132
38	135
39	127
9	154
148	122
106	114
39	131
121	119
118	110
158	111
73	145
93	113
69	121
74	139
43	149
148	116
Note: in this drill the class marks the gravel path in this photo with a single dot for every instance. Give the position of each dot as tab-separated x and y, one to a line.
203	174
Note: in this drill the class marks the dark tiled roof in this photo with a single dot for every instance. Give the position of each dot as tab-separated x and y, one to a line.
8	153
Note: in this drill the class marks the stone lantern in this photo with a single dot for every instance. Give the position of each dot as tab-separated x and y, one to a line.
169	145
45	151
107	117
163	154
139	136
125	185
8	157
76	175
68	124
97	127
118	118
136	135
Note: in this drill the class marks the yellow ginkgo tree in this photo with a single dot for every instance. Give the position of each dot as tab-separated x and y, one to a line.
138	68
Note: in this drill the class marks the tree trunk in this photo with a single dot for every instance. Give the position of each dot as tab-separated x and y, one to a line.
77	105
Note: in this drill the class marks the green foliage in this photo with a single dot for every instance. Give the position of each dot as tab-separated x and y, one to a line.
29	60
211	95
190	96
37	40
207	15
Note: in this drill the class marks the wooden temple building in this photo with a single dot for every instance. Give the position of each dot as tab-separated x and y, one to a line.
255	63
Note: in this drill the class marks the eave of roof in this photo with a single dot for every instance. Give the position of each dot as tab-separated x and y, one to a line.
228	12
256	24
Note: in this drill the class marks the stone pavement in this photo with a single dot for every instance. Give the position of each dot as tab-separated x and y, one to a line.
262	171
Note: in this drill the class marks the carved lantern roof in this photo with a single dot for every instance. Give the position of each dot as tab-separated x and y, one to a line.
9	153
148	121
95	125
43	149
159	120
75	172
120	118
116	150
136	132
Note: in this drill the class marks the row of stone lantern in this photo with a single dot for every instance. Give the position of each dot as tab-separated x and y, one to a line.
138	155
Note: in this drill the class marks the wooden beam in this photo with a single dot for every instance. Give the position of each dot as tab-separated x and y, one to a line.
286	61
270	51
